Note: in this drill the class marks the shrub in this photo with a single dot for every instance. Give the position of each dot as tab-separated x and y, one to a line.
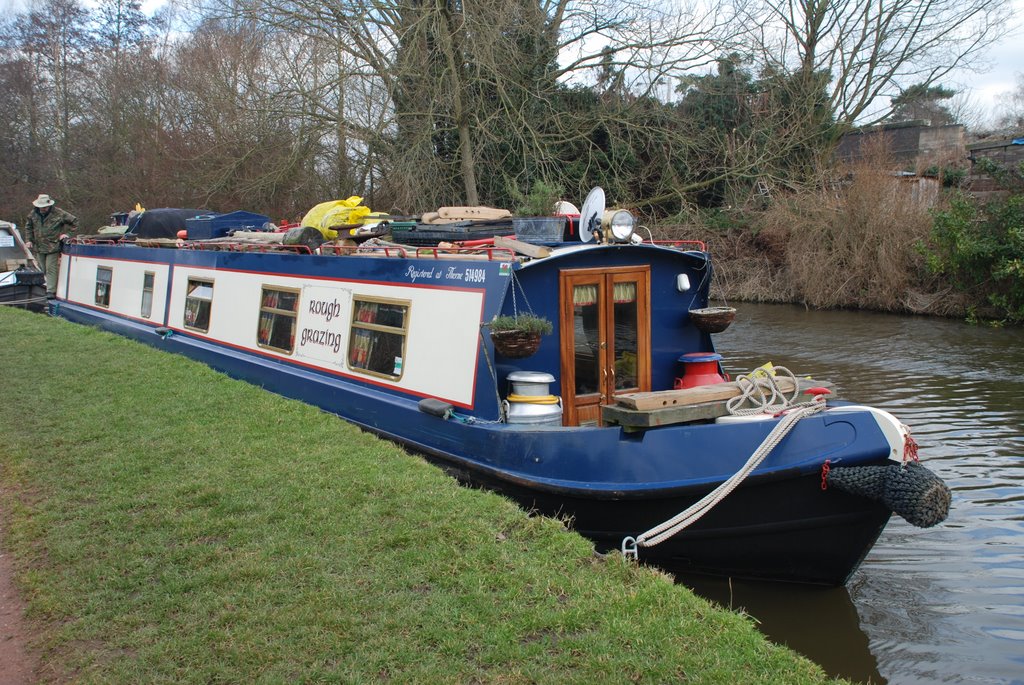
851	243
980	247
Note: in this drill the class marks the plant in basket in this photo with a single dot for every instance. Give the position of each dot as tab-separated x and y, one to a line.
518	336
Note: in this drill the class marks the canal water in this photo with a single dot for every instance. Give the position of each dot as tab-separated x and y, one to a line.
944	604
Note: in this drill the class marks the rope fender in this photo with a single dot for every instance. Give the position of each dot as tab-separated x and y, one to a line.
910	490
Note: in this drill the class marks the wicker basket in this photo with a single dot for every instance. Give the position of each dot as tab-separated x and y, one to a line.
515	344
712	319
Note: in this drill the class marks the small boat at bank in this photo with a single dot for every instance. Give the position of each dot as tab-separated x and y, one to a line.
22	284
619	422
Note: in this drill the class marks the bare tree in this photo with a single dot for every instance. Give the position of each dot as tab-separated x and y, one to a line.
874	48
471	86
1011	109
52	43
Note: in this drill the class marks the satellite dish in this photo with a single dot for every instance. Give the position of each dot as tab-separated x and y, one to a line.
590	215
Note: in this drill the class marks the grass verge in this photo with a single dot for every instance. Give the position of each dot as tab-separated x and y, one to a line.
170	524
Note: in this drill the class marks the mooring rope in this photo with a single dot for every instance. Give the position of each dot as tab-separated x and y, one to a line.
31	300
682	520
760	393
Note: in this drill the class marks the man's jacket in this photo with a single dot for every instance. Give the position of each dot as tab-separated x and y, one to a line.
44	231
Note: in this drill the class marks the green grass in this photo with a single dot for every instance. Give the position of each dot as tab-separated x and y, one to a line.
170	524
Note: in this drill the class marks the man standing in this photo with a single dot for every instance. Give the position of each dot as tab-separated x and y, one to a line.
46	227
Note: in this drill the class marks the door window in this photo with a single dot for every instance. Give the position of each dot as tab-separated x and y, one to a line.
605	338
587	337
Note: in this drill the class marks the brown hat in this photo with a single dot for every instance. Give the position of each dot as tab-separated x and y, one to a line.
43	201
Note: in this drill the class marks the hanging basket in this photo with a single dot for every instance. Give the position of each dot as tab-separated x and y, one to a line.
515	344
712	319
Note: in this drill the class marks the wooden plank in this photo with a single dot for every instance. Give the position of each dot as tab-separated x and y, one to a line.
478	213
684	413
632	418
528	249
697	395
700	394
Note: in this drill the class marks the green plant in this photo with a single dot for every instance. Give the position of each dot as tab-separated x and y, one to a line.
980	247
949	176
953	177
540	201
526	323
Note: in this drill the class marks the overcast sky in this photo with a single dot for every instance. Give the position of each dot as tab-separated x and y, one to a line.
984	88
1007	59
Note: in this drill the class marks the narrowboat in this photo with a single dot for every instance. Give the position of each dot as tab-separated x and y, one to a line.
618	423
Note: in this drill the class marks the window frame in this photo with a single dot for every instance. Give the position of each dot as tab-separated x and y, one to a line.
151	275
109	270
293	314
355	326
188	296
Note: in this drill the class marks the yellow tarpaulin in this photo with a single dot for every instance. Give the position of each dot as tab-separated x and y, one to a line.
326	216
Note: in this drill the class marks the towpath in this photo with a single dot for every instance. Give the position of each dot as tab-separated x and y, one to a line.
17	664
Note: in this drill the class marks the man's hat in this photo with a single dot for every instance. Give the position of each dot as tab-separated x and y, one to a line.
43	201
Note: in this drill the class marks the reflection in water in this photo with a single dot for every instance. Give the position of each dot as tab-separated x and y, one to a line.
820	623
944	604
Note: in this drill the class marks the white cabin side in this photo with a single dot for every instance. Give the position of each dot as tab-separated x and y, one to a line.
430	341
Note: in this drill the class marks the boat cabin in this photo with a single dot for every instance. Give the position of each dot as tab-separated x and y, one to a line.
412	322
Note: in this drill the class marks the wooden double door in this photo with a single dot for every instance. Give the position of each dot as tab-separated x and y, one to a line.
606	338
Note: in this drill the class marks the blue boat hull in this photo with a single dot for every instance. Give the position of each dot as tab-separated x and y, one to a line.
820	538
610	484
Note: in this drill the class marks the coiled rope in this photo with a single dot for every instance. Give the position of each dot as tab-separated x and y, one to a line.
760	393
684	519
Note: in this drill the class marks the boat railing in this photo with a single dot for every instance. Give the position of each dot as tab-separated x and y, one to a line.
481	253
93	240
700	245
245	247
367	250
489	254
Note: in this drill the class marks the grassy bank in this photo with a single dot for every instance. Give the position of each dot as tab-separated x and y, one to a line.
170	524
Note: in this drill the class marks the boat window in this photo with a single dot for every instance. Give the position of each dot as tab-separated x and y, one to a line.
198	301
587	336
626	323
104	274
147	294
377	343
276	328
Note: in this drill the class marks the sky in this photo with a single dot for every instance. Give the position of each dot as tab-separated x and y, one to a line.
982	89
1007	58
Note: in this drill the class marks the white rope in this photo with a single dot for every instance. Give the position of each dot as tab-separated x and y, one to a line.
760	393
682	520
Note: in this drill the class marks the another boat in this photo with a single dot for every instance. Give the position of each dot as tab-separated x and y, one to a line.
22	284
590	428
